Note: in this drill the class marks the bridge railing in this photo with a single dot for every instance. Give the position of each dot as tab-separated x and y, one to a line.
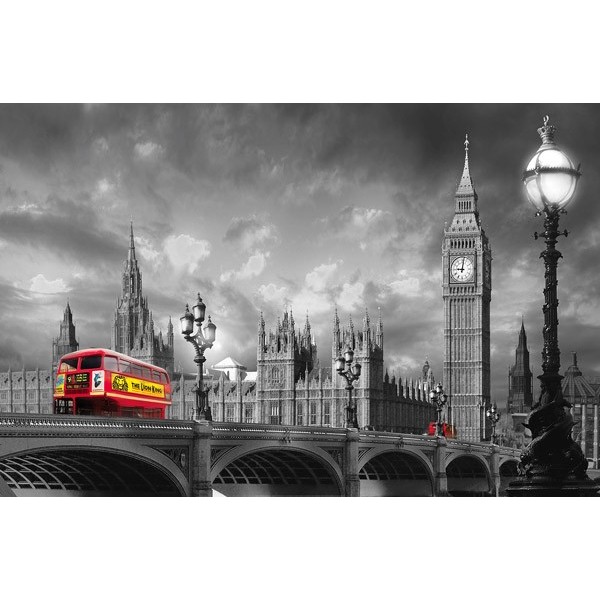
253	429
10	422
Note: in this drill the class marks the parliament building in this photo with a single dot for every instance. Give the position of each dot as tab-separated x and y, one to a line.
291	387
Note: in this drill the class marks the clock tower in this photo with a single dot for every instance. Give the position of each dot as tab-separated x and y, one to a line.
467	290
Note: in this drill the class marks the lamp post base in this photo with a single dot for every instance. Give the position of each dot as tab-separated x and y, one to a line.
548	486
202	415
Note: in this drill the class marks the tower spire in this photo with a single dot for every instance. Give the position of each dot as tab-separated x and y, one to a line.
465	185
466	196
131	255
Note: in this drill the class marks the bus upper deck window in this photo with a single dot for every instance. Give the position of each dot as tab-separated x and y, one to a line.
156	375
110	363
146	373
68	364
163	378
91	362
136	370
124	366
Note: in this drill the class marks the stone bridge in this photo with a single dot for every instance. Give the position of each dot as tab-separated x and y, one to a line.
56	455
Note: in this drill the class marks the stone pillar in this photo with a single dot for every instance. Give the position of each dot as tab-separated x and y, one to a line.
352	482
440	484
584	428
595	449
200	484
495	470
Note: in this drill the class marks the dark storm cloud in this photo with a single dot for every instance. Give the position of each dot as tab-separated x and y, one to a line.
66	227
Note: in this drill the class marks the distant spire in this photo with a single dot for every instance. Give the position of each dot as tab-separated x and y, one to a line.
574	358
307	325
379	330
366	320
131	242
522	336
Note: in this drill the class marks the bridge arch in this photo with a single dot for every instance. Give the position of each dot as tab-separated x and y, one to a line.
270	468
468	475
390	471
86	468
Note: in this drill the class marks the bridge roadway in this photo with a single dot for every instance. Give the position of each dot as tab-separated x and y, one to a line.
92	456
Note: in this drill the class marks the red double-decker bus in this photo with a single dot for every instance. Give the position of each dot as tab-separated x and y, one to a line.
449	431
105	383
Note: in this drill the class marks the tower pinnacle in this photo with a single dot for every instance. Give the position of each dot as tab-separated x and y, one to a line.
131	255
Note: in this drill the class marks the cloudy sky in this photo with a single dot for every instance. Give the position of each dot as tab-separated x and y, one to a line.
268	206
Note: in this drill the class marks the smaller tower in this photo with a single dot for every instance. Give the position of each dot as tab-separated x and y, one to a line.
65	342
520	393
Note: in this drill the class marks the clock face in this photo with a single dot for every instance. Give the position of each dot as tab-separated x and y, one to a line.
462	269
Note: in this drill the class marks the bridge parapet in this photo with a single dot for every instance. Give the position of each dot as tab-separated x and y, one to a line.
18	424
402	439
9	422
253	430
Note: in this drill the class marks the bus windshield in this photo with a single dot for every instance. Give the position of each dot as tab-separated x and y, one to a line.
68	364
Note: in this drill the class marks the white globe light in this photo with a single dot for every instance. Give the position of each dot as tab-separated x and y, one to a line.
550	177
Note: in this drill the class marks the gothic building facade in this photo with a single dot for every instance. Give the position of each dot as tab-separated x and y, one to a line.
26	391
467	288
291	386
133	329
31	391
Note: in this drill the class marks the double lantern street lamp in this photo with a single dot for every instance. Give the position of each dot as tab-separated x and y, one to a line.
201	340
553	464
493	414
438	397
350	372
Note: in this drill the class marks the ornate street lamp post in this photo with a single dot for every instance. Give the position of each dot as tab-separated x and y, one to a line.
493	414
350	372
438	397
553	464
201	340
